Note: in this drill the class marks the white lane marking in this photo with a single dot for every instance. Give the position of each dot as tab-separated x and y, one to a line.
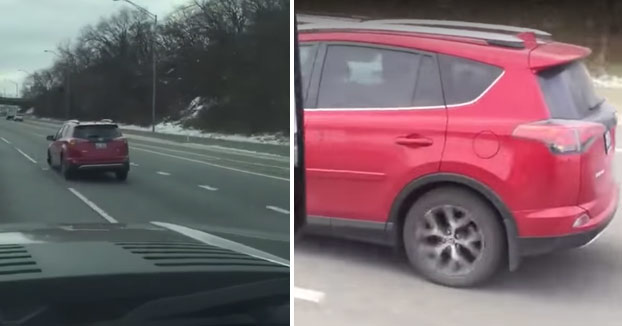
26	156
211	157
133	164
163	173
214	240
278	209
6	141
214	165
93	206
308	295
206	187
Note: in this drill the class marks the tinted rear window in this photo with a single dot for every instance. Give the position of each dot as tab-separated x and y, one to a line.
568	91
465	80
96	131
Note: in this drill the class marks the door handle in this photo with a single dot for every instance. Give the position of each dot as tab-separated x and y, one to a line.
415	141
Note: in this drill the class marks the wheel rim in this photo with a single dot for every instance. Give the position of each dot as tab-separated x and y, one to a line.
449	240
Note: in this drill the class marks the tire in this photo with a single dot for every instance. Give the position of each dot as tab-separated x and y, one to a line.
49	159
454	238
121	175
65	169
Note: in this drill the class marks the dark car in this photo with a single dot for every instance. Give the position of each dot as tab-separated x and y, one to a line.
82	146
149	274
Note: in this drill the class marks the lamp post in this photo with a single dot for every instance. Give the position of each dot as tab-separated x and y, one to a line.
153	58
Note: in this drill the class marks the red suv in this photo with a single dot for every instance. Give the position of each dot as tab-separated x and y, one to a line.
469	145
82	146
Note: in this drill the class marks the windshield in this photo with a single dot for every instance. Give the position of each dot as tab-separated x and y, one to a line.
162	124
568	91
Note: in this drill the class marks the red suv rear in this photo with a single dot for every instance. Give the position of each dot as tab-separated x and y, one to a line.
83	146
467	144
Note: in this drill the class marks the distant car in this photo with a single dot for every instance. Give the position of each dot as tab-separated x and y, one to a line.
89	146
469	145
18	117
9	117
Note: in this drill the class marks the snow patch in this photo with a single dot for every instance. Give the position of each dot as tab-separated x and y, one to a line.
608	81
176	128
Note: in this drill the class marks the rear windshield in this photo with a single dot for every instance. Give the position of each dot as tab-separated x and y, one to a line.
96	131
568	91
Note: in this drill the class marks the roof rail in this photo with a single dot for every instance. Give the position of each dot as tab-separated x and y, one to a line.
73	121
464	25
313	19
493	38
106	120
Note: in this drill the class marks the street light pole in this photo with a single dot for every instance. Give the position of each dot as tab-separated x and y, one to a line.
153	59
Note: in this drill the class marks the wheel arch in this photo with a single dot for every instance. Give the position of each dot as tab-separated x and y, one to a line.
413	190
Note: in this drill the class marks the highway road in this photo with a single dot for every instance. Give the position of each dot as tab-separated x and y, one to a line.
346	283
239	195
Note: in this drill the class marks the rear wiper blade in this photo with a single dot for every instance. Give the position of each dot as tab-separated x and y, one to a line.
597	105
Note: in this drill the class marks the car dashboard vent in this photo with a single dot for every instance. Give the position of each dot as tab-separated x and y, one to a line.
179	254
15	259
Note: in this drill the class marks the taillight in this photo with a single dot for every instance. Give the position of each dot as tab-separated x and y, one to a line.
561	136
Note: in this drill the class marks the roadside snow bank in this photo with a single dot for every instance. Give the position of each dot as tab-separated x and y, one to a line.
608	81
175	128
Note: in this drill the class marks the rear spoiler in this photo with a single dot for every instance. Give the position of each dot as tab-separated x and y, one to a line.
555	53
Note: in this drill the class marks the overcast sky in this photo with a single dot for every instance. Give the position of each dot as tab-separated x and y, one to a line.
27	27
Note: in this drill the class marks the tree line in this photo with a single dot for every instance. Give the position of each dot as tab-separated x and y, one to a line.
229	56
596	24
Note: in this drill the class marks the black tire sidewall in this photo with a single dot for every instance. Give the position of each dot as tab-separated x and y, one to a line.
483	215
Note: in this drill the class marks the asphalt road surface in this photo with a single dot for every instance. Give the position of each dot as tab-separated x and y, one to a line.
239	195
346	283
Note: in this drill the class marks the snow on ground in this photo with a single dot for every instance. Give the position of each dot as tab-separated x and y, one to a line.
608	81
175	128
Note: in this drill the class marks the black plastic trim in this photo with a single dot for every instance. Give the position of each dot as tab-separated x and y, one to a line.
531	246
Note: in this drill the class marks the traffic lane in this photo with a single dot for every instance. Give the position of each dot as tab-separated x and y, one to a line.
31	195
255	190
364	284
229	155
148	195
257	187
255	164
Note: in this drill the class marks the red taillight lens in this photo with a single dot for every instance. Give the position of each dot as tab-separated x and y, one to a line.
561	136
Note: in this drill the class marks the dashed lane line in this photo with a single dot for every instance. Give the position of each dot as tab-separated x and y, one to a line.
163	173
278	209
26	155
93	206
214	165
6	141
308	295
206	187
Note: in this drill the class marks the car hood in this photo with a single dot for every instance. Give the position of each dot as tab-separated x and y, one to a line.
154	232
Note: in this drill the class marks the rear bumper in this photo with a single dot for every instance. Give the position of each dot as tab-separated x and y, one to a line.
116	165
583	235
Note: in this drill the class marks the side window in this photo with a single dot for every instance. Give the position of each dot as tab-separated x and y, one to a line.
307	57
59	133
366	77
67	130
428	91
464	80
